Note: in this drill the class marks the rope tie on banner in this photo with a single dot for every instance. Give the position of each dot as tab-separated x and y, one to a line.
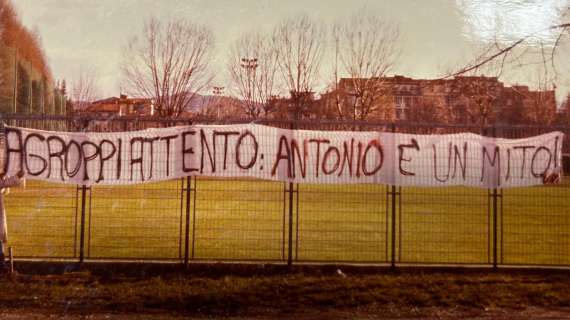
2	144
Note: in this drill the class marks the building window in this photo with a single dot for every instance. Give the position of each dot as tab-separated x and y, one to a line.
450	100
399	114
401	104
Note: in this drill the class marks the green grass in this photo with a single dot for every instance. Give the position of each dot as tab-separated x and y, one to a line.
246	219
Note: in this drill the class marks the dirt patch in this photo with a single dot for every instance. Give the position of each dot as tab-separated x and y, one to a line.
500	314
305	294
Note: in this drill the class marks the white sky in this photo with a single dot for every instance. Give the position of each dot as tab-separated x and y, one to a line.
436	34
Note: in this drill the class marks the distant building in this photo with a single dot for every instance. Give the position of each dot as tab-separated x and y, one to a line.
116	107
528	106
565	106
563	113
463	99
302	105
122	106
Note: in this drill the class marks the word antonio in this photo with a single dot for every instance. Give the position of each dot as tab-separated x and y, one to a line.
352	158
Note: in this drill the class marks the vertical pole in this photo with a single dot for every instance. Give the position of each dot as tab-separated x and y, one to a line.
501	258
387	208
89	226
290	248
31	91
181	222
193	239
75	222
399	223
290	238
82	229
495	200
393	227
393	258
11	254
297	223
284	220
187	230
15	80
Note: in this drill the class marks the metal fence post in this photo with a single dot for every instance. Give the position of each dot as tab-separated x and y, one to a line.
187	230
393	238
495	200
82	226
290	235
393	226
193	239
75	221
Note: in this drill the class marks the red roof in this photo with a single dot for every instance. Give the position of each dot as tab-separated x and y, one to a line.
107	107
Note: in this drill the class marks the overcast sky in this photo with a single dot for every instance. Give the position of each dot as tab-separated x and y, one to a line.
436	34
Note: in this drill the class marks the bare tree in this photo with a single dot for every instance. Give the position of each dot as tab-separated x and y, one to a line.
169	63
430	109
531	49
84	88
252	64
476	98
543	52
539	107
299	43
367	47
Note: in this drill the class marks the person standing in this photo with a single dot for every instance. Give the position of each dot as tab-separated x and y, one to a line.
5	183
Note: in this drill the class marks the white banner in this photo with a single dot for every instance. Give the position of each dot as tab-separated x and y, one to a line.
299	156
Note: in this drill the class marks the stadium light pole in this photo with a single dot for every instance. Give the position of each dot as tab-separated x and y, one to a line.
218	91
250	65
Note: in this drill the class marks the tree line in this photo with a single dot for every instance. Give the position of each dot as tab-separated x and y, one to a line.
26	82
170	62
300	68
277	73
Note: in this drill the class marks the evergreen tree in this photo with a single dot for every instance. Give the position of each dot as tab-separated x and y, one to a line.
63	87
23	97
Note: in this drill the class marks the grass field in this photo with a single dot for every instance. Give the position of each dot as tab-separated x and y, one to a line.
249	220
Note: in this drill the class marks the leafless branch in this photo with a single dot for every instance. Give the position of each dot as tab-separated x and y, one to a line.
491	55
252	65
367	48
299	44
169	64
84	88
